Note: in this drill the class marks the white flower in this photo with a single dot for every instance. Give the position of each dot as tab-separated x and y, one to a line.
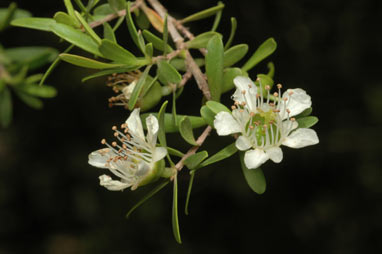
265	125
137	161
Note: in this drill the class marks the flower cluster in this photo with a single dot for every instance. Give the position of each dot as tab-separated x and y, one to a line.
137	160
265	124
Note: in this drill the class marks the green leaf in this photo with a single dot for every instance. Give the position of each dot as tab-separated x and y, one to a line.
87	28
254	177
165	35
115	52
232	34
271	71
185	129
64	18
263	81
226	152
108	72
263	51
173	151
304	113
192	173
162	124
43	24
86	62
108	33
6	108
306	122
133	30
76	37
217	18
102	10
8	16
19	13
173	111
34	57
40	91
138	88
170	127
207	115
217	107
142	21
194	160
214	66
147	196
235	54
203	14
53	65
167	73
117	5
180	64
228	76
70	9
82	7
175	220
201	40
31	101
157	42
149	50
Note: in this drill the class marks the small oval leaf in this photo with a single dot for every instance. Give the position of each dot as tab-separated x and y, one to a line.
185	129
201	40
86	62
235	54
194	160
306	122
167	73
214	66
263	51
203	14
254	177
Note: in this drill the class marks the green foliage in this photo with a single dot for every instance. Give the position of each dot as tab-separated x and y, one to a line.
214	66
203	14
235	54
115	52
225	153
5	106
167	73
138	88
307	121
262	52
169	125
254	177
194	160
228	76
232	34
43	24
87	62
185	130
201	40
157	42
175	219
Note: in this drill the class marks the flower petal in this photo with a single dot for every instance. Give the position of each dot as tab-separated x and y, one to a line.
246	92
298	101
152	129
300	138
225	124
255	158
275	154
110	184
243	143
99	158
134	124
159	153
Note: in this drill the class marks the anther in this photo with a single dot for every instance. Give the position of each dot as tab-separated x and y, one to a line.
267	87
279	86
243	91
292	119
243	103
287	110
251	114
116	134
251	127
103	141
258	79
233	107
114	128
114	143
290	93
275	94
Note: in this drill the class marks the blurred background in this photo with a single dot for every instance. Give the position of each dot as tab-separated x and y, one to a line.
321	199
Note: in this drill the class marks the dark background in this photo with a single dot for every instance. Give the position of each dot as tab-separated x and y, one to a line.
321	199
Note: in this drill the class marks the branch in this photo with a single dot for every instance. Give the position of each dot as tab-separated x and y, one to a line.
118	14
193	149
178	39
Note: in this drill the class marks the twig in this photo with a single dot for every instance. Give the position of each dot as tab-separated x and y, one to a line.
185	78
193	149
112	16
178	39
